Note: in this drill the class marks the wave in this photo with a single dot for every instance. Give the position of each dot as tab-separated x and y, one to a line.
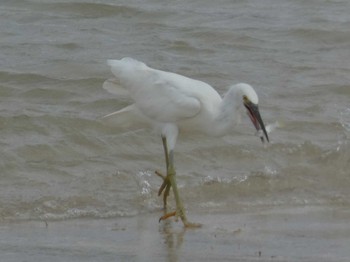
90	10
312	176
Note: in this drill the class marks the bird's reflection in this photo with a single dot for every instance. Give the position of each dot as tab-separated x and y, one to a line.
172	239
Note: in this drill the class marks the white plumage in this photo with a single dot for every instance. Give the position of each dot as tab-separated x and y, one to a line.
171	103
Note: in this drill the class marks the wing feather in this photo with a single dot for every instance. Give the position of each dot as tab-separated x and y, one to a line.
160	95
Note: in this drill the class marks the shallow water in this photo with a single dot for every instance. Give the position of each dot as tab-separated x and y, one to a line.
302	234
59	161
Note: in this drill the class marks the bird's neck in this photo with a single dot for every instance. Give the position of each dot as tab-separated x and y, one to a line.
229	113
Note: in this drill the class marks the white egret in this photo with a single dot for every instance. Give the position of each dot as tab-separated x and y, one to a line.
172	103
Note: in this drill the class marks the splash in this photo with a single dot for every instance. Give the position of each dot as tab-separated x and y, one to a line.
345	119
143	183
269	128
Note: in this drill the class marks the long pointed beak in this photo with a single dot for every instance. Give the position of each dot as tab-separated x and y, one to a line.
254	114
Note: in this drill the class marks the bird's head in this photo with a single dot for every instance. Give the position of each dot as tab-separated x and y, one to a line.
250	101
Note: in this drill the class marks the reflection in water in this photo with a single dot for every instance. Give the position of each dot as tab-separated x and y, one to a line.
173	239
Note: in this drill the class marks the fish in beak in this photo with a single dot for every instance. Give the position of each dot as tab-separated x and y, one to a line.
253	112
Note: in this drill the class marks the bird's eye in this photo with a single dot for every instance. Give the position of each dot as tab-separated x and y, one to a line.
245	99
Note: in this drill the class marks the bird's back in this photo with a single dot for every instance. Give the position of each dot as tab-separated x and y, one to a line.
163	96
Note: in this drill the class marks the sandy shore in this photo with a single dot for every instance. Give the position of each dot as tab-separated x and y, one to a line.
294	234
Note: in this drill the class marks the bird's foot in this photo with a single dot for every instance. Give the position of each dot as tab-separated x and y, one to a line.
166	185
168	182
166	216
177	214
192	225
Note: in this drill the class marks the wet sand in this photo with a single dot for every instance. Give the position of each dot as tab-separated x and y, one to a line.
278	234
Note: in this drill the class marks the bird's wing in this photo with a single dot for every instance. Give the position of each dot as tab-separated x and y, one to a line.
161	96
166	100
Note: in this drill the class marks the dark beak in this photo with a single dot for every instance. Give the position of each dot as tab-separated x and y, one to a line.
253	112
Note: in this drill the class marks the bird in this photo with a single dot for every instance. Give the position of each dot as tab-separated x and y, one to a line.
170	104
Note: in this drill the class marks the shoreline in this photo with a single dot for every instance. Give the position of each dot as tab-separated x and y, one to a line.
279	234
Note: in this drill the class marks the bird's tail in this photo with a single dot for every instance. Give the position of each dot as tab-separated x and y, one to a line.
125	65
127	119
113	86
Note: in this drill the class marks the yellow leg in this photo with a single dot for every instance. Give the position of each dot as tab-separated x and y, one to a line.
170	181
166	183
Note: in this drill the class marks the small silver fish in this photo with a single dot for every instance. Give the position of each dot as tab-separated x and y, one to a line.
269	128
